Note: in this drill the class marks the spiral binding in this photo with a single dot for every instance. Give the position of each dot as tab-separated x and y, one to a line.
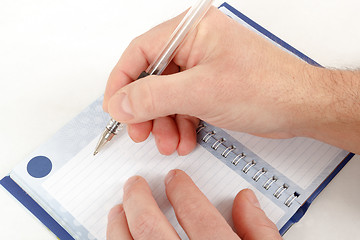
228	150
208	136
216	144
269	182
291	198
249	164
258	174
237	159
200	127
280	190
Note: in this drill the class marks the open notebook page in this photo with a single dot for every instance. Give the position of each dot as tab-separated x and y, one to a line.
88	187
300	159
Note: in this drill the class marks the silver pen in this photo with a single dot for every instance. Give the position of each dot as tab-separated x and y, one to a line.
188	23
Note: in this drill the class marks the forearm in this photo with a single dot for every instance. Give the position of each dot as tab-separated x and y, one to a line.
335	115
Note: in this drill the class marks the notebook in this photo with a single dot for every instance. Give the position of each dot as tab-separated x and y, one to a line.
71	191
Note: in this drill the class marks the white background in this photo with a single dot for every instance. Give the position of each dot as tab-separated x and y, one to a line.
55	57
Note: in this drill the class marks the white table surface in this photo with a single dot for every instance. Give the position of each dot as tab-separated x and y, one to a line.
55	57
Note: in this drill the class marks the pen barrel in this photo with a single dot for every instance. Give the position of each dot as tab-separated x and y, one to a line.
143	74
188	23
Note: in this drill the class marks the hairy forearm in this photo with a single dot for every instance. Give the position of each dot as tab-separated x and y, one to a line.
336	117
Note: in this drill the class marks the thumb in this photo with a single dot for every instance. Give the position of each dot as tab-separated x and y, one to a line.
156	96
250	220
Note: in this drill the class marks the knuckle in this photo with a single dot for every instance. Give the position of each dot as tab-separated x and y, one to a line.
135	41
189	209
193	211
145	225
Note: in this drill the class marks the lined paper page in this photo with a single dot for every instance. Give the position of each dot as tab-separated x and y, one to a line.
88	187
300	159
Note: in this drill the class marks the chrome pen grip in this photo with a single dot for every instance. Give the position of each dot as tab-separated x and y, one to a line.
114	126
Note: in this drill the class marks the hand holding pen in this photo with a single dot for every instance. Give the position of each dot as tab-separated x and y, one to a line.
233	78
188	23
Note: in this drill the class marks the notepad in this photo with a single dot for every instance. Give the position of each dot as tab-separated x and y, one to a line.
71	191
87	186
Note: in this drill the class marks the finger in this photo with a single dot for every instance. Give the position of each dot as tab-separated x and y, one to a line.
117	227
166	135
250	220
198	217
138	56
145	219
139	132
159	96
187	132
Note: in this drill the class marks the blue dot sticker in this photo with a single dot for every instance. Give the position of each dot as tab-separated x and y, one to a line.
39	167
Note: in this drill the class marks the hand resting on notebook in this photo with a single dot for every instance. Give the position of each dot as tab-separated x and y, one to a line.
139	217
233	78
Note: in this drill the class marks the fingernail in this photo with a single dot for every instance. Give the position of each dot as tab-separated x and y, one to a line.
130	182
124	108
115	212
252	198
169	176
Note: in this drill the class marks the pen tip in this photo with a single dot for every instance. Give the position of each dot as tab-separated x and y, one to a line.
96	152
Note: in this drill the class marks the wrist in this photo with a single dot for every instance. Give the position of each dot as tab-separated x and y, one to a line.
332	107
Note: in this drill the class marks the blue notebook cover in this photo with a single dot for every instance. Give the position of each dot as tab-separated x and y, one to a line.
34	208
13	188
